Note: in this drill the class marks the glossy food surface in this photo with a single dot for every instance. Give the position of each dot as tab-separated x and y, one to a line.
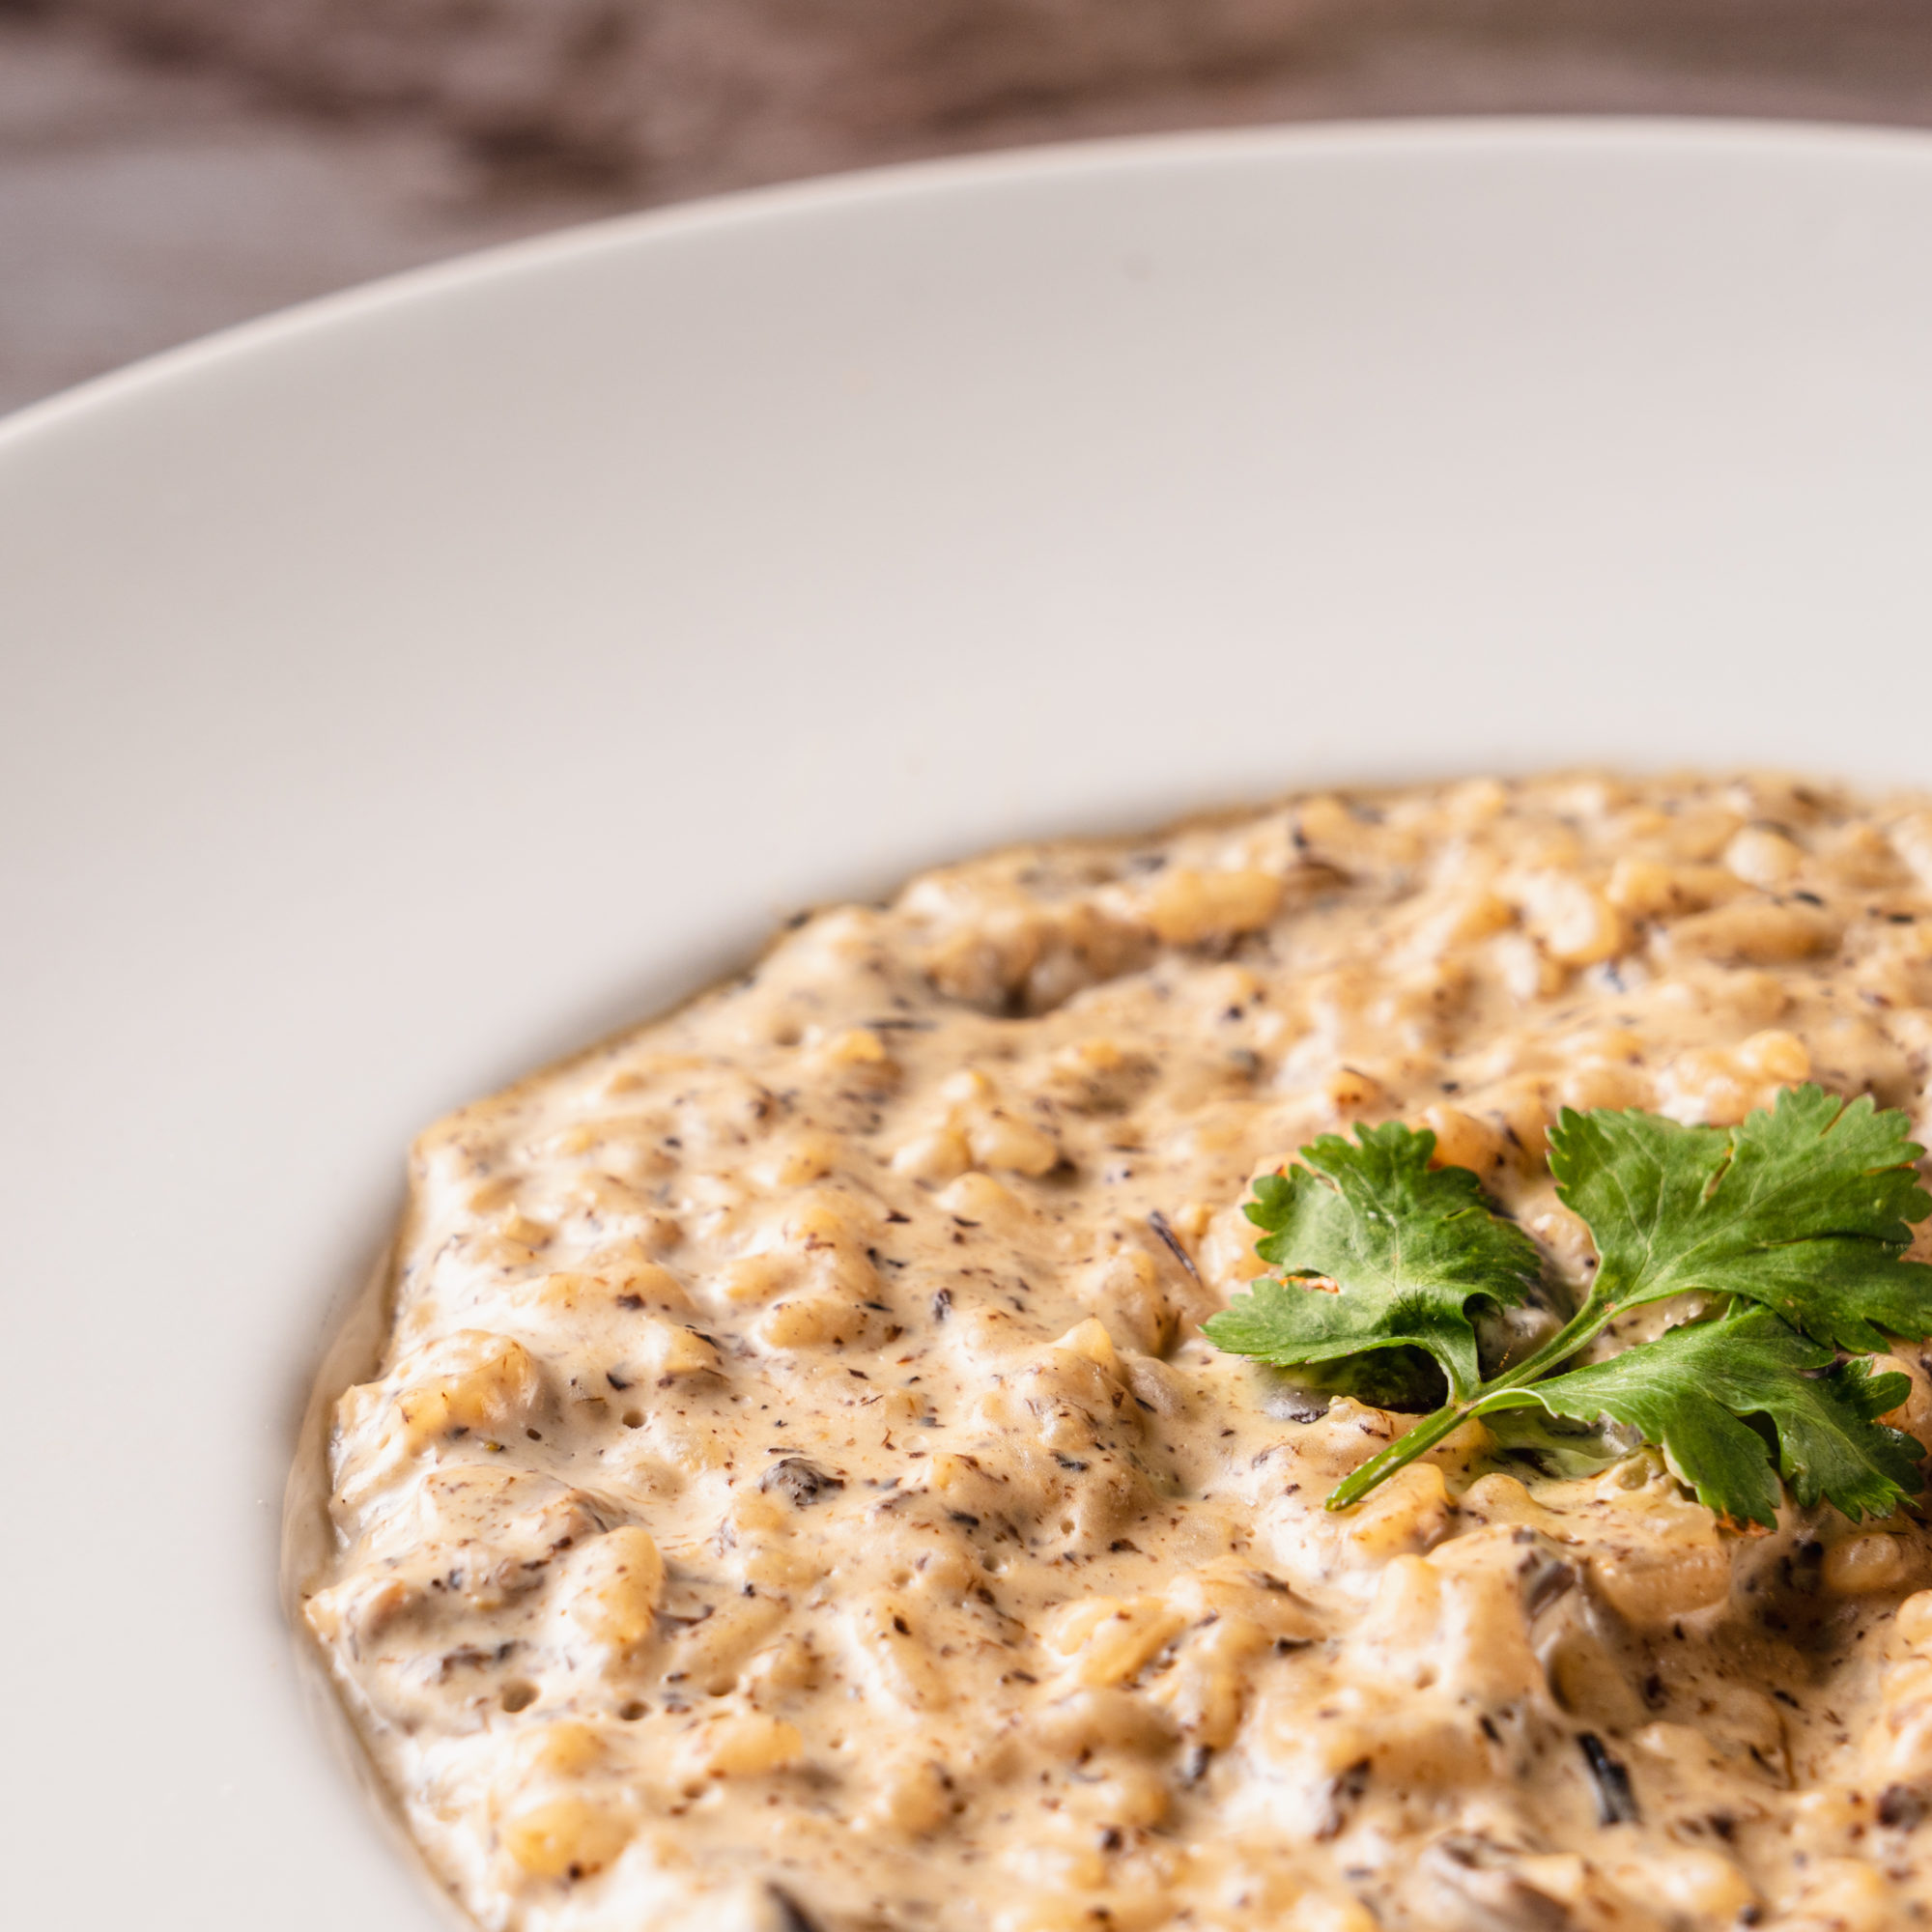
796	1487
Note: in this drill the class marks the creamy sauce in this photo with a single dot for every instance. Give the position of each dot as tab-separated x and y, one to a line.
796	1493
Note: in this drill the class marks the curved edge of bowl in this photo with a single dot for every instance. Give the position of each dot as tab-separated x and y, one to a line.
534	255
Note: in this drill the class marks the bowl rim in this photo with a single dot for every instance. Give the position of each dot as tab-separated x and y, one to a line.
1645	135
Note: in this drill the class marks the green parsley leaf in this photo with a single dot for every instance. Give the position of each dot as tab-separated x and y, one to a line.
1805	1209
1689	1389
1406	1247
1796	1221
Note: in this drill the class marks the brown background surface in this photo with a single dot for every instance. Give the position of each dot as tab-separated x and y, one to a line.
167	166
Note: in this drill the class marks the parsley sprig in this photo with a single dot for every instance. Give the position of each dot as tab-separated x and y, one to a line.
1794	1224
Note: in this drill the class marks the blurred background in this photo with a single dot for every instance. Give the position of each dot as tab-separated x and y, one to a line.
168	166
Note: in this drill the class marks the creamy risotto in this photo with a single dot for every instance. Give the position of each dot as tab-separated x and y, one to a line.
795	1490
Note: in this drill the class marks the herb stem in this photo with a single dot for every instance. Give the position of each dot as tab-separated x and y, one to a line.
1404	1449
1579	1332
1582	1328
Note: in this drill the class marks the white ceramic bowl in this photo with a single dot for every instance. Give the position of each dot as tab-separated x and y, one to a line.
401	691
